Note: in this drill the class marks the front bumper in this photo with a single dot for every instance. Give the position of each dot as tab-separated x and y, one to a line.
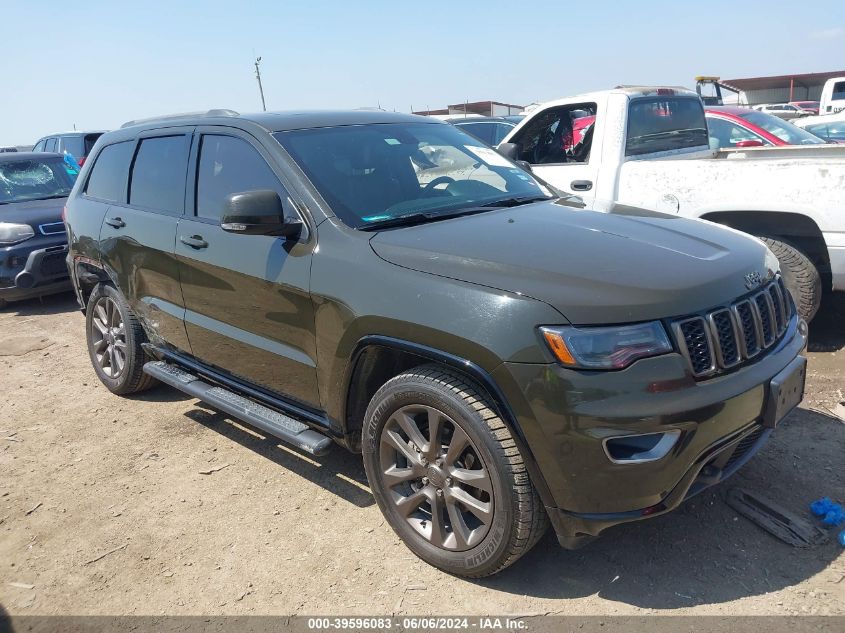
33	269
565	414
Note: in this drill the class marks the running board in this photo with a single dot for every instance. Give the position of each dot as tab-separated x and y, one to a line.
277	424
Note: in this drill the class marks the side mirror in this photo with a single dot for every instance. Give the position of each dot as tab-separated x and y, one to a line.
509	150
749	143
257	213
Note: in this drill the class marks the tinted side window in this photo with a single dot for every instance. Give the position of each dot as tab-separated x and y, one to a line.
838	90
664	123
108	177
39	147
230	165
90	139
158	175
50	145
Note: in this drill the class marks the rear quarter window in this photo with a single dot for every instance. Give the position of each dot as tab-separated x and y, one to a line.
660	124
90	139
108	176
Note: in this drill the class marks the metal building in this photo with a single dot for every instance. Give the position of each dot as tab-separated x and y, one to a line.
777	89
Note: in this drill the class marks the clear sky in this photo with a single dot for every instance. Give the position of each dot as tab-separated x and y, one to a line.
99	63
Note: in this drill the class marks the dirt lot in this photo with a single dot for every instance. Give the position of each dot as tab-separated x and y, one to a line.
104	510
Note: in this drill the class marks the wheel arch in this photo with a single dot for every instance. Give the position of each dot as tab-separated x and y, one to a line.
87	274
796	229
376	359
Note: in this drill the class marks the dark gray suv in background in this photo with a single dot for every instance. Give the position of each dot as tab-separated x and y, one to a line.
501	356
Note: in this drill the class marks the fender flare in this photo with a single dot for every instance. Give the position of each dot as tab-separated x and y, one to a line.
472	371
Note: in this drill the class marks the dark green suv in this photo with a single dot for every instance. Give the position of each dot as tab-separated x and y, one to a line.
501	356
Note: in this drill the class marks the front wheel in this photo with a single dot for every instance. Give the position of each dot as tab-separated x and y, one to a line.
447	475
114	338
800	276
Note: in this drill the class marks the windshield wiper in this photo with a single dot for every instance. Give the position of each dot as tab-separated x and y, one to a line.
514	202
53	197
421	218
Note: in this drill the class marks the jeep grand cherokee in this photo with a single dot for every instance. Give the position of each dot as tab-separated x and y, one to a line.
502	357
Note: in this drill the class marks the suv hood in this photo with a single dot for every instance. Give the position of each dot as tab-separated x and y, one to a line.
33	212
623	266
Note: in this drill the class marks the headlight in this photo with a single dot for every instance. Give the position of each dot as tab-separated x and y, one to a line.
14	233
613	347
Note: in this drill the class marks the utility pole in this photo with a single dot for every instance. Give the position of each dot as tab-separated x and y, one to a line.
260	87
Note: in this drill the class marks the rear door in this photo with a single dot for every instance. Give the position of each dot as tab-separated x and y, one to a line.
248	307
138	233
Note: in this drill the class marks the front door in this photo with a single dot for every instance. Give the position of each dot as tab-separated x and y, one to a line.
558	144
248	308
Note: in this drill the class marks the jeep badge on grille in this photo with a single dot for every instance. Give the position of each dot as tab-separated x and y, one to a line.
753	279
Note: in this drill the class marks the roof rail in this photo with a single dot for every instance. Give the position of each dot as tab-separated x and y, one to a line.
217	112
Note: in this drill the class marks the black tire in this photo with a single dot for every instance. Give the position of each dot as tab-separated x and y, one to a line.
517	519
3	303
800	276
123	339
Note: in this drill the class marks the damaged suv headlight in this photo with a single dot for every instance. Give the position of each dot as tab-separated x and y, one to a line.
613	347
14	233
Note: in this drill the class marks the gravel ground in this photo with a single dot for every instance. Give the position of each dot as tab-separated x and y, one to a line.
104	510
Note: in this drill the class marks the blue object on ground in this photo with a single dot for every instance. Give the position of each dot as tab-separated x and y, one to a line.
835	516
841	538
824	505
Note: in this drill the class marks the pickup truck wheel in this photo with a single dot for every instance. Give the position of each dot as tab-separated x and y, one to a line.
800	276
447	475
114	342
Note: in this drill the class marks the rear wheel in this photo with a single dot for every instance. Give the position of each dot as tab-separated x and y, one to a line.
447	475
800	276
114	342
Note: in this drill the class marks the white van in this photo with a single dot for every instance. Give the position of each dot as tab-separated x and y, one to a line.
833	96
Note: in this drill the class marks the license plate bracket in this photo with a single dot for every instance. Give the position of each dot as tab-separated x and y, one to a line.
786	390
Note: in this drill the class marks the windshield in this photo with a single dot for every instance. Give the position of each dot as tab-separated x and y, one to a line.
784	130
832	131
660	124
378	172
35	179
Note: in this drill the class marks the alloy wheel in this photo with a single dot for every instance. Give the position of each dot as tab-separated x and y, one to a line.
108	337
436	477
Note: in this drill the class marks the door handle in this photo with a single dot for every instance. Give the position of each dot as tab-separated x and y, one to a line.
115	222
195	241
581	185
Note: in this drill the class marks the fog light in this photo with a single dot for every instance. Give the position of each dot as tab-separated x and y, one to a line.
25	280
639	449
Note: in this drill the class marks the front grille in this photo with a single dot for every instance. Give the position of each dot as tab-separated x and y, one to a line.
726	336
698	345
53	264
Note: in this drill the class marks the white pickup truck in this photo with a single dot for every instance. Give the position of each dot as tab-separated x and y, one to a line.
650	147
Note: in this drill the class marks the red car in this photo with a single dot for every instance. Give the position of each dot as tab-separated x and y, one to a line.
810	107
732	126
